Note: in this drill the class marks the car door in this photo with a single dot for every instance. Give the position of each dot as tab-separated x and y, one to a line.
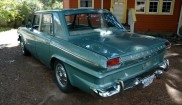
31	32
44	37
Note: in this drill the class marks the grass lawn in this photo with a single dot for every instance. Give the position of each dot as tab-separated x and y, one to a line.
4	28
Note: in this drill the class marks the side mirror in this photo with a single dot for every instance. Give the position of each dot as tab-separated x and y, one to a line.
28	25
35	27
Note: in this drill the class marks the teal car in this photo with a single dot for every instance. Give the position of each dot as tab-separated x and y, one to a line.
89	49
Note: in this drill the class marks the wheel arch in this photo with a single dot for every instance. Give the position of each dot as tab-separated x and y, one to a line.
19	37
64	63
57	58
53	59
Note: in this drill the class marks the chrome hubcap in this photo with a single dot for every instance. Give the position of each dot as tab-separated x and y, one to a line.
61	75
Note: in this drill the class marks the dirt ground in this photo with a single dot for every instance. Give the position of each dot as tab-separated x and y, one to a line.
25	81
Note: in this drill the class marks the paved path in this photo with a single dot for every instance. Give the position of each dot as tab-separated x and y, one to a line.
8	38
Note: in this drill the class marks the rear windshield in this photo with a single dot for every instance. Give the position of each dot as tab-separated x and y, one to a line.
92	22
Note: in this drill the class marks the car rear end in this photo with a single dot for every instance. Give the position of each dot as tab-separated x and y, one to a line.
133	70
130	59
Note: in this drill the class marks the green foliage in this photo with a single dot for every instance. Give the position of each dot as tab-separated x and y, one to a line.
8	10
18	12
51	4
4	28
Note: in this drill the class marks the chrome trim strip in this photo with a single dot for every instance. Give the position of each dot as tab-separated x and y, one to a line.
75	55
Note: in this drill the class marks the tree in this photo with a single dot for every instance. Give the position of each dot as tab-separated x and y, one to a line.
51	4
18	12
8	10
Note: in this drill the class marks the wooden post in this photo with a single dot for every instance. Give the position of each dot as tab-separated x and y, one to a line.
102	4
131	19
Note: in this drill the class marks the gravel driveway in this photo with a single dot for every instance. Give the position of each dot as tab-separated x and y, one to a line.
25	81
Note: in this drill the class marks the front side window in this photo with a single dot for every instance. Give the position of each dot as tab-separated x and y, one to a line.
46	24
86	23
140	6
36	22
86	4
153	6
166	6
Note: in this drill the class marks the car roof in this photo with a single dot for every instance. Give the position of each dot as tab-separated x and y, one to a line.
75	11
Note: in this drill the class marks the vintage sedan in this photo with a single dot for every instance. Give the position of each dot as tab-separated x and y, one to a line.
89	49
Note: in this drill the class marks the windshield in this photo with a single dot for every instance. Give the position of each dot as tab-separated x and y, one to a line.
85	23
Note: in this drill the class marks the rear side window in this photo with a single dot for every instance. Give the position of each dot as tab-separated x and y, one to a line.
58	31
46	24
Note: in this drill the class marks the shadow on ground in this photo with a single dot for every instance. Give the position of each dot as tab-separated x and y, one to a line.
26	81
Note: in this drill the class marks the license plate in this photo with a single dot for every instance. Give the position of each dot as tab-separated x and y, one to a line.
147	81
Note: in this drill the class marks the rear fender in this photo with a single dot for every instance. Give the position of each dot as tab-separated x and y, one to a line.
80	67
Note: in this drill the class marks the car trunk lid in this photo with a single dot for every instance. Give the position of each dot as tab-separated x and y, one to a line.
118	44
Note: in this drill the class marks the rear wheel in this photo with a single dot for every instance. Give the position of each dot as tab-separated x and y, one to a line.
23	49
62	77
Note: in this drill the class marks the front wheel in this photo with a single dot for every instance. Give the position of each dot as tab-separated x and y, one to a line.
62	77
23	49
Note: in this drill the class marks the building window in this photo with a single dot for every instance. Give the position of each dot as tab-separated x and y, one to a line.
86	4
166	6
159	7
118	1
153	6
140	6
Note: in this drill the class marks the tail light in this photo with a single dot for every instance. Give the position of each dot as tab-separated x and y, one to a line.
113	62
168	44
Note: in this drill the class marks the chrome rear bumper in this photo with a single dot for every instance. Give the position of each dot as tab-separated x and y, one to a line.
109	91
164	65
120	86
